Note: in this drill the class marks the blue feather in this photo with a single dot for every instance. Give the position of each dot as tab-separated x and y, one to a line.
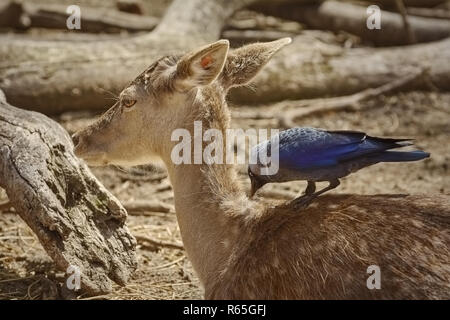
399	156
308	148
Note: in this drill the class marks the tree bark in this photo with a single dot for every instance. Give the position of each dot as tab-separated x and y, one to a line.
334	15
78	222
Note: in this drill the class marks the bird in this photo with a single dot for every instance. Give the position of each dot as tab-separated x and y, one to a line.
315	155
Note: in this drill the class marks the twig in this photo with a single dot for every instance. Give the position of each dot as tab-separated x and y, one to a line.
102	296
148	214
158	243
172	284
17	279
308	107
30	287
142	206
140	174
168	264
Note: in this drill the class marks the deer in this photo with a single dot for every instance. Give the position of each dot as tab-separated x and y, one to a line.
242	248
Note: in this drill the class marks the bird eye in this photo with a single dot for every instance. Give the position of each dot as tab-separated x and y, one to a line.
128	103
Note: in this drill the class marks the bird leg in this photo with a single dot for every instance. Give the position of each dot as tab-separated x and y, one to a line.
311	188
310	193
333	184
307	197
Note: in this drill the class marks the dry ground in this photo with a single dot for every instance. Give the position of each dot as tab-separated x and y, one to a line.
26	272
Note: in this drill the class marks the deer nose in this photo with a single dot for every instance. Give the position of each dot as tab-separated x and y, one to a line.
76	138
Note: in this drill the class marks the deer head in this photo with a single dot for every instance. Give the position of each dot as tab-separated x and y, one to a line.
164	97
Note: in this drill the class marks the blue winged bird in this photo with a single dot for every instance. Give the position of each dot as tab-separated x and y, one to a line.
319	155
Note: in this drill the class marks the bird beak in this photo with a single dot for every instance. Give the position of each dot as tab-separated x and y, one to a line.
255	185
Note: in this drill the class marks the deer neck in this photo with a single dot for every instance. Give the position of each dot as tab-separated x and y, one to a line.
206	215
208	231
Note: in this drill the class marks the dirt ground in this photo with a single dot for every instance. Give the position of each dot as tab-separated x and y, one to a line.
26	271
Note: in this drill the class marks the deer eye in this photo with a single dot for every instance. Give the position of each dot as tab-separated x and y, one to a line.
128	103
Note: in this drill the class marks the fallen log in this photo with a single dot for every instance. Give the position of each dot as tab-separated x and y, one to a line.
77	221
52	77
131	6
308	68
335	15
429	13
287	112
409	3
10	13
82	37
32	15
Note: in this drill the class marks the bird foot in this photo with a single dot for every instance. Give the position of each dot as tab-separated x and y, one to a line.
303	201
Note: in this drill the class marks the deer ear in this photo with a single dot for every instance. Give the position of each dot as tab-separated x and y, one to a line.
202	66
244	63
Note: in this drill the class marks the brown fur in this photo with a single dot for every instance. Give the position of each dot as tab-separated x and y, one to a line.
244	249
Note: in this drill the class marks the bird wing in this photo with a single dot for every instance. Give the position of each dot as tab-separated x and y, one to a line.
307	148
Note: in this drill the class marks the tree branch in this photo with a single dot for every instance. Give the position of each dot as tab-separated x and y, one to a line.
158	243
307	108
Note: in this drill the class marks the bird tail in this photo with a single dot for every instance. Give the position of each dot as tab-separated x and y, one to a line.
389	143
400	156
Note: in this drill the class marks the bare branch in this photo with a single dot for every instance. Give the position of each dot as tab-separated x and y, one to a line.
353	102
159	243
